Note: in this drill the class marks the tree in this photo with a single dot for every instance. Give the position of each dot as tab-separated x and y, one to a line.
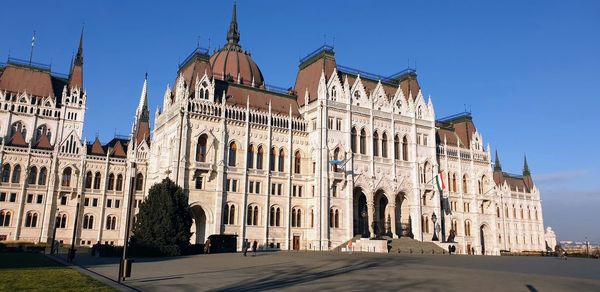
163	222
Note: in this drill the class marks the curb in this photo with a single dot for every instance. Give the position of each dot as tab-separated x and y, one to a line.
96	276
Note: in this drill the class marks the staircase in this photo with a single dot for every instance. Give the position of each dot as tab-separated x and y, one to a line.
405	245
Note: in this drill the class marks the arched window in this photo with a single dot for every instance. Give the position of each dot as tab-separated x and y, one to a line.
5	218
299	218
353	138
6	173
43	130
16	175
396	147
18	127
232	154
111	222
66	177
229	214
498	212
467	228
119	185
384	142
278	217
281	164
405	149
255	216
89	178
336	156
139	182
61	221
464	184
363	142
32	178
42	176
419	113
375	144
294	217
252	215
454	183
111	182
297	162
97	178
272	159
201	148
250	157
232	215
312	218
272	216
31	219
259	157
88	221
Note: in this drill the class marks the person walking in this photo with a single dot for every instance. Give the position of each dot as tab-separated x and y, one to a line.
254	244
207	246
350	247
245	245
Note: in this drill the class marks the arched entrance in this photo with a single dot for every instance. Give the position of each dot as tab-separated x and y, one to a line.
402	210
382	222
360	225
483	232
198	225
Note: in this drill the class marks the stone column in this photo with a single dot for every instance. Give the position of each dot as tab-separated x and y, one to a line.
392	206
371	217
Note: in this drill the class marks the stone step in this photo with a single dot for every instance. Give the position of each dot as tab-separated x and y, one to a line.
411	246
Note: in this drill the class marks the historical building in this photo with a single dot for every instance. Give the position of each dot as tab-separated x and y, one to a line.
342	153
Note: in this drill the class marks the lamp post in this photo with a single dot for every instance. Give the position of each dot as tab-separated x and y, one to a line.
54	231
71	255
364	215
434	220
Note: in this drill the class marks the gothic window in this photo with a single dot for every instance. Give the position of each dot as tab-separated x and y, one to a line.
375	144
384	142
199	185
119	185
312	218
419	113
18	127
43	130
232	154
250	157
5	218
66	177
31	219
16	175
336	156
139	182
363	141
464	184
259	157
32	179
272	159
405	149
61	221
88	180
281	160
454	183
297	162
229	214
111	222
275	216
88	221
111	182
201	148
396	147
353	138
455	226
294	217
6	173
97	178
467	228
42	176
252	216
498	212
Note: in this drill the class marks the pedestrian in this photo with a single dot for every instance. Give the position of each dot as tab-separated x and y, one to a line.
564	255
350	246
254	244
245	245
207	246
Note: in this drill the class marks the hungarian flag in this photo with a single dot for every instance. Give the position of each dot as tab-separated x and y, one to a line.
439	182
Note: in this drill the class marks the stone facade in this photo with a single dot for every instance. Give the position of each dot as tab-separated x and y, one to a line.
343	153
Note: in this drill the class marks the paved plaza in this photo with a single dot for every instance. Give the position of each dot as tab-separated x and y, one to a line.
302	271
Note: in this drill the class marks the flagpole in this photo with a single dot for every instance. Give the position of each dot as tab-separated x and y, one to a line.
32	45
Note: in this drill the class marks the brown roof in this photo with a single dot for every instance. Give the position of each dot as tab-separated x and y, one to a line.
96	148
259	98
18	140
231	61
43	142
142	133
450	136
118	150
76	77
309	75
21	79
194	68
459	128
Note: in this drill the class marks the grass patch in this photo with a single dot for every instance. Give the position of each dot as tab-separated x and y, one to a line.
36	272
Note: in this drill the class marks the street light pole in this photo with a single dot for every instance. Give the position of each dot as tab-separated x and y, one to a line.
132	187
434	220
54	231
71	254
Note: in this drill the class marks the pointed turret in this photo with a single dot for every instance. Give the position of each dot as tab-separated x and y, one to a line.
497	166
76	74
526	171
141	125
233	35
527	175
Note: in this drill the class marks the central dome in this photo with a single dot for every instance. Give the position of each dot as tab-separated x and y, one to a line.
232	63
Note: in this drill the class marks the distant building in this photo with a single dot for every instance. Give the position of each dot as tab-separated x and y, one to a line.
550	238
342	153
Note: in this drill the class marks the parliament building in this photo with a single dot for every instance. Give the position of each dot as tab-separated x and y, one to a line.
341	154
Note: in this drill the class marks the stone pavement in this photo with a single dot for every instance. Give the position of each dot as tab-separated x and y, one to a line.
302	271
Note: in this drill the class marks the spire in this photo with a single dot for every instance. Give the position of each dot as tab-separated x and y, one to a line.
141	114
233	35
526	171
79	56
497	166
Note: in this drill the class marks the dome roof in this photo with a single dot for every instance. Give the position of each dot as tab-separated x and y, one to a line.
233	63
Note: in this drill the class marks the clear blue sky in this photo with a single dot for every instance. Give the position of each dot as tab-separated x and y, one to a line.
528	70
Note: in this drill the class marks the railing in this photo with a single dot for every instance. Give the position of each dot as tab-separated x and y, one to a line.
278	89
394	79
26	63
324	48
455	116
198	50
